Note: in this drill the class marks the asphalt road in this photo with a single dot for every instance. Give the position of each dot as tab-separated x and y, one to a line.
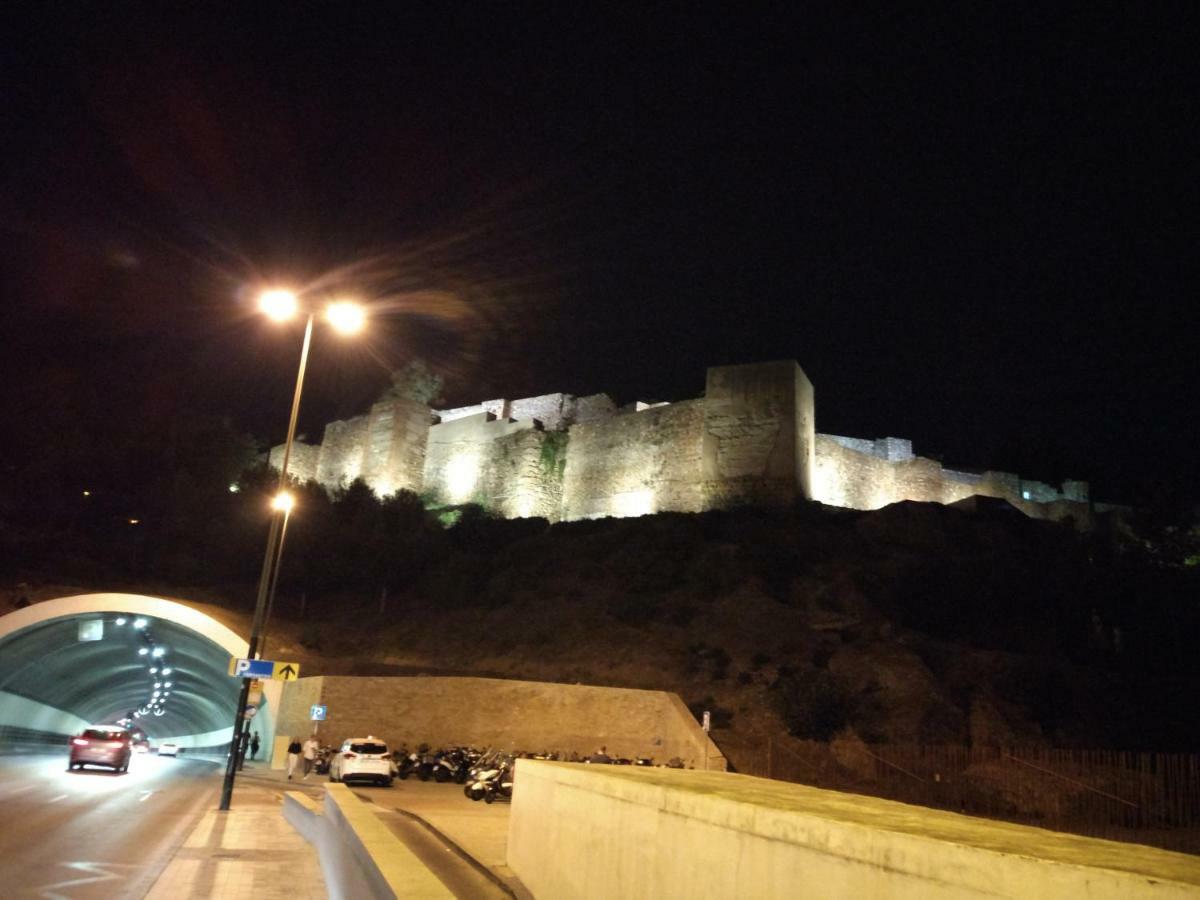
92	833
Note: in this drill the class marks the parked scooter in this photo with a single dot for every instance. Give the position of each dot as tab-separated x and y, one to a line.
324	758
492	780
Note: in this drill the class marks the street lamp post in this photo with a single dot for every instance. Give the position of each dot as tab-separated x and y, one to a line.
346	317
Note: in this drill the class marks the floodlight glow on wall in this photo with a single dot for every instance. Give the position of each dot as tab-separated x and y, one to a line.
462	474
634	503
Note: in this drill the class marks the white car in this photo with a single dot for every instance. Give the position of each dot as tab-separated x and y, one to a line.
167	748
362	759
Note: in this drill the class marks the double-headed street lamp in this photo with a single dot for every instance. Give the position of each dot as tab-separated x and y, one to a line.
346	317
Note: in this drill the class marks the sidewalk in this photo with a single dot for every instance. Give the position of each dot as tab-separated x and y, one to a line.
249	852
477	830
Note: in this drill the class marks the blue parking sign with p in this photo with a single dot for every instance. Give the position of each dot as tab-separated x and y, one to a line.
317	712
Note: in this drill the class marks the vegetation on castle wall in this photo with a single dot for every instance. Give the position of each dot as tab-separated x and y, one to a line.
554	453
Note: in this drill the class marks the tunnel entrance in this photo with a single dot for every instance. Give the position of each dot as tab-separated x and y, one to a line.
104	658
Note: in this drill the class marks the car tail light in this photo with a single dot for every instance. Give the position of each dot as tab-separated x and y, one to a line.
348	756
79	742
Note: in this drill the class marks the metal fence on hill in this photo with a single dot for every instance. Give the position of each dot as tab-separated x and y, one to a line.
1148	798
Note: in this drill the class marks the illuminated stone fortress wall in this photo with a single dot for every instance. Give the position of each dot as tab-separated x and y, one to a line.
750	439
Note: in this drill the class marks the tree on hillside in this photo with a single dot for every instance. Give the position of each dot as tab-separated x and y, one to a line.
415	382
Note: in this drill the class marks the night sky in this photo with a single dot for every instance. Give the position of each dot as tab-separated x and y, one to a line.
974	229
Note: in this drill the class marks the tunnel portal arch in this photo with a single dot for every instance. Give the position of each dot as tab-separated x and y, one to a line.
53	679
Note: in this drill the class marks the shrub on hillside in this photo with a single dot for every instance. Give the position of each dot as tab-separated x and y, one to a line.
814	704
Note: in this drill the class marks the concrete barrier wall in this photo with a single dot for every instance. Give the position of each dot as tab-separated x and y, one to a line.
21	712
621	832
360	857
520	715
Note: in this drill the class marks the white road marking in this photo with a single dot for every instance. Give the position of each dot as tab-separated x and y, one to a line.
56	799
96	870
145	796
17	790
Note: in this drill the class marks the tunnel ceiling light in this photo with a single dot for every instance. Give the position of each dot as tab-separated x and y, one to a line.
142	651
166	671
153	671
158	684
139	623
159	651
166	684
120	620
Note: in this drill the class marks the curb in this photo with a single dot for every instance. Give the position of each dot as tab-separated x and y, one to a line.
451	844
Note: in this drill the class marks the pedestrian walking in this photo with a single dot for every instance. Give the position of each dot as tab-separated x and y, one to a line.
254	746
311	746
294	751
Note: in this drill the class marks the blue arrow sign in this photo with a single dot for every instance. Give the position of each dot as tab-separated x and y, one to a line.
251	668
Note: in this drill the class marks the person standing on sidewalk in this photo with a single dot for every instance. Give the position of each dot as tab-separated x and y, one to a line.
254	746
293	756
310	753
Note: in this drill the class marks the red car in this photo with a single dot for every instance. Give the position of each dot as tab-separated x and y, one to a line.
101	745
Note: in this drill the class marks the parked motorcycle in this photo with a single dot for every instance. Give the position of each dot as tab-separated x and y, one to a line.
324	758
492	780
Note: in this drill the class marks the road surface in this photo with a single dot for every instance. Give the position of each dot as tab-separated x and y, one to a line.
93	833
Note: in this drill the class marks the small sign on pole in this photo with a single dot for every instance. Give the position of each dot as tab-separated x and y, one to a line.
707	724
264	668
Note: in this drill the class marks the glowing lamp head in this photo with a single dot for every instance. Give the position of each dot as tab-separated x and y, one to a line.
278	305
346	317
283	502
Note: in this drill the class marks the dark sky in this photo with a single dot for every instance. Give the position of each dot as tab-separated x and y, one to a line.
974	229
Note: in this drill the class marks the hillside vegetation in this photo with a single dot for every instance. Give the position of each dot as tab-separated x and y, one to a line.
912	623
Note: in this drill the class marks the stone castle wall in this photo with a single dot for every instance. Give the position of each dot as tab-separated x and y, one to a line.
750	440
868	478
758	435
386	448
636	463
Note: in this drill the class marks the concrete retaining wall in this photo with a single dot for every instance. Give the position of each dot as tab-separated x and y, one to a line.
511	715
360	857
621	832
